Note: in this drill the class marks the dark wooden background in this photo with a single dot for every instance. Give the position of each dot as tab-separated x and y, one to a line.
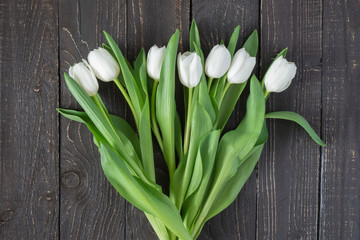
51	183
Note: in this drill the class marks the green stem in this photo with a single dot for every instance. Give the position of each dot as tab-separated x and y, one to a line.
209	83
155	126
100	105
133	165
188	119
266	94
127	98
224	92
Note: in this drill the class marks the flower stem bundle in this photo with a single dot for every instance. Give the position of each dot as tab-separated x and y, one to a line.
207	167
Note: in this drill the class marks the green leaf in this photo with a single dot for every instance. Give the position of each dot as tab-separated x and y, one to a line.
82	117
205	100
233	41
252	43
140	73
123	127
141	195
165	102
194	36
291	116
206	153
178	137
234	147
201	124
232	95
228	104
146	145
103	126
239	142
233	187
120	125
158	227
132	87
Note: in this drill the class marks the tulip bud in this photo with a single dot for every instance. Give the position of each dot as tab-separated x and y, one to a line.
218	61
279	75
241	67
103	64
85	77
190	69
154	61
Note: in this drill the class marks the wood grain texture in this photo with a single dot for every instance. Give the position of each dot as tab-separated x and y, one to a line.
149	23
29	188
216	20
340	189
288	201
90	207
51	182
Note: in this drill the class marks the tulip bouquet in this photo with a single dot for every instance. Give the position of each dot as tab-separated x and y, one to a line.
207	167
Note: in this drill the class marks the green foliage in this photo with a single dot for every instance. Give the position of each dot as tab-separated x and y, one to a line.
291	116
209	170
165	102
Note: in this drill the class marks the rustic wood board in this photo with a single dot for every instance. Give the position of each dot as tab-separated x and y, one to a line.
51	182
90	207
29	142
289	173
340	165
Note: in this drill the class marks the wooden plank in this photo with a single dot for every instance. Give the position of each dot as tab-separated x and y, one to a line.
340	189
216	21
288	200
90	207
29	164
149	23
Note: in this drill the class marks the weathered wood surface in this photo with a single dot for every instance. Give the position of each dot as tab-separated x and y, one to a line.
29	142
90	207
340	165
289	172
51	183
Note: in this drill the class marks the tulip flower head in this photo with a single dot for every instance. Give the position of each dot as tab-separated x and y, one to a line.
155	58
85	77
103	64
280	74
190	69
241	67
218	61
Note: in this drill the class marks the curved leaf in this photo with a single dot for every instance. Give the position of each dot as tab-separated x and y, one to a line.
291	116
141	195
165	102
206	153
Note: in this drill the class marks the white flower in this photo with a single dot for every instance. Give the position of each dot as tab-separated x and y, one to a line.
85	77
155	58
218	61
279	75
190	69
241	67
103	64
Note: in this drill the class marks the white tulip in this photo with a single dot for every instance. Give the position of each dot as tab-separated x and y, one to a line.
189	68
103	64
85	77
154	61
279	75
241	67
218	61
